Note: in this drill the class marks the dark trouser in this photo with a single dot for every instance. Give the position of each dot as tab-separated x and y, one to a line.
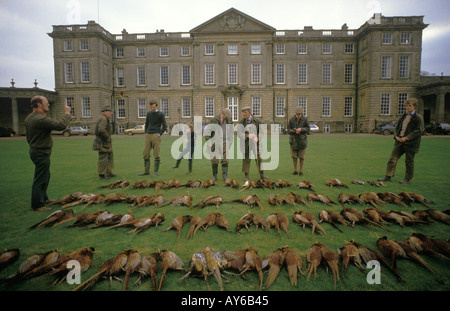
105	163
41	179
397	152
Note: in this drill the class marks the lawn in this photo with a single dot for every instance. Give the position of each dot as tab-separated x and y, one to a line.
347	157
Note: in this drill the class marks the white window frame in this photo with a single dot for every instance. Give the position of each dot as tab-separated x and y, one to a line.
186	107
233	105
302	48
120	52
185	75
68	72
70	101
85	107
85	71
348	106
280	74
386	67
209	49
120	74
209	107
349	48
326	73
403	66
140	76
386	38
164	106
185	50
121	109
385	104
84	44
232	49
140	51
280	49
255	49
232	74
209	74
256	106
280	106
405	38
164	75
402	98
255	74
67	46
303	102
141	108
164	51
348	73
326	106
326	48
302	74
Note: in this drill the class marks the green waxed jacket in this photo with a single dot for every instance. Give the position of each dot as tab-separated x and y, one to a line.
298	141
39	127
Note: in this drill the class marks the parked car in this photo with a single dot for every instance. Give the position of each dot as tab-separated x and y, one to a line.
313	128
385	129
138	129
438	128
6	132
72	130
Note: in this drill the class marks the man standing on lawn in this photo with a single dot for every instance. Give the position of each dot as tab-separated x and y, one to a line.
298	130
407	135
103	144
249	142
155	126
222	120
38	132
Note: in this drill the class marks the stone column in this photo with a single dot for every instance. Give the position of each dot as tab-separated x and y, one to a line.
15	114
440	106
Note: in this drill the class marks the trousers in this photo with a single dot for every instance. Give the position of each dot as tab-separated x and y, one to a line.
41	178
397	152
152	141
105	163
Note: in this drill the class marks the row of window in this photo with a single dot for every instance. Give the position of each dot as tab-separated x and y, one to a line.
209	74
233	75
233	104
387	39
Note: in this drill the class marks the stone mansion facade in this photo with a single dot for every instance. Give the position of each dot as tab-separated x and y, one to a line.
347	80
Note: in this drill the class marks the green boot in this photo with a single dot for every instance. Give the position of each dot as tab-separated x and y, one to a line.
190	167
177	163
156	168
225	172
214	172
147	168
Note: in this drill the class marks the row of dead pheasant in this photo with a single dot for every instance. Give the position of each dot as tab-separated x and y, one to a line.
158	200
233	183
369	217
208	261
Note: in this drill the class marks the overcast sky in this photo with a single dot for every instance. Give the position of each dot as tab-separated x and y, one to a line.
26	51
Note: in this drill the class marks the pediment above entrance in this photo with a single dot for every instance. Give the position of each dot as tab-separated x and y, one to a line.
232	20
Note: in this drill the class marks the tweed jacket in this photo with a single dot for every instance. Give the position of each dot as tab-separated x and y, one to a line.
103	130
298	141
413	132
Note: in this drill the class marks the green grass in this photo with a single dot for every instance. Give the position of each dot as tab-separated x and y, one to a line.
74	168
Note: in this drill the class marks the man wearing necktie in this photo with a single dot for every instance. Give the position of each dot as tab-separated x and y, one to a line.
407	135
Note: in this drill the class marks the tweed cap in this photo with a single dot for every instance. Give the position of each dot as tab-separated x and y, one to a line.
106	108
227	112
248	108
